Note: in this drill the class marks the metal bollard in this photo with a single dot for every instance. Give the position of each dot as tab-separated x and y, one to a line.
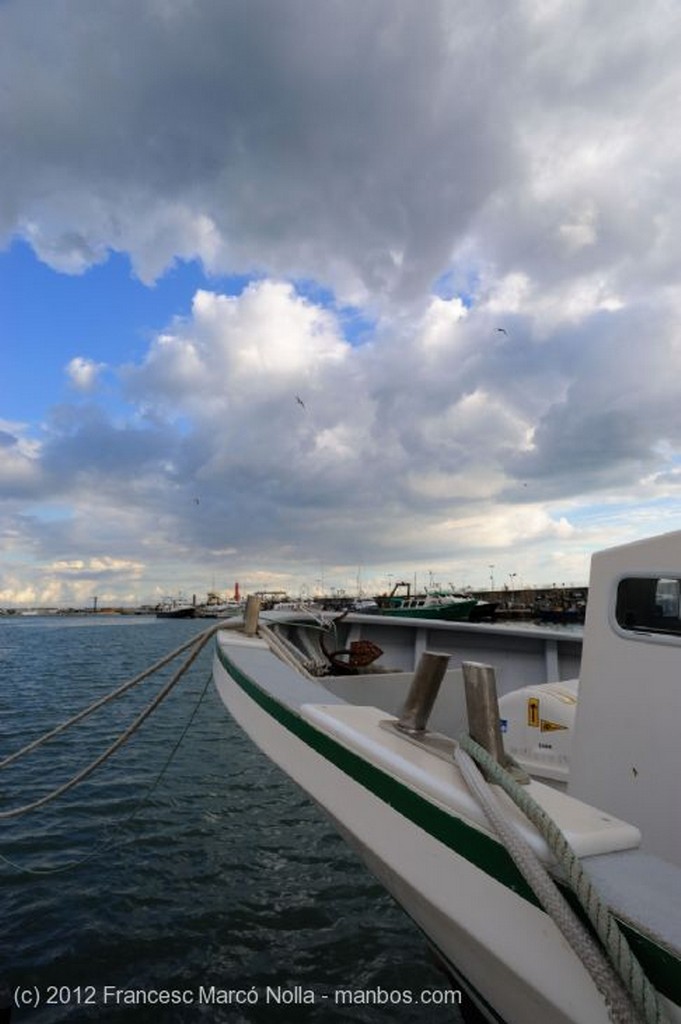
251	615
422	692
483	708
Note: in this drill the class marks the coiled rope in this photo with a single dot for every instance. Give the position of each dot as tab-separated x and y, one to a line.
196	644
621	980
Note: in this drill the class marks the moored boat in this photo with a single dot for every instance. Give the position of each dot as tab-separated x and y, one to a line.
339	705
175	609
217	607
428	605
562	616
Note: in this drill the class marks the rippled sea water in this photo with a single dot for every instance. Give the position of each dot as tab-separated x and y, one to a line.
209	872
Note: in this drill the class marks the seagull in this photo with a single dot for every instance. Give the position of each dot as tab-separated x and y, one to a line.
300	401
502	330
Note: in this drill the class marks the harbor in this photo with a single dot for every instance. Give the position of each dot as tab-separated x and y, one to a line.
559	604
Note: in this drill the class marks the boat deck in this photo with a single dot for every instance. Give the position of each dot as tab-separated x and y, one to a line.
355	715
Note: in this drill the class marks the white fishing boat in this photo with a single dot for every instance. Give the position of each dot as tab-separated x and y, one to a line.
219	609
373	718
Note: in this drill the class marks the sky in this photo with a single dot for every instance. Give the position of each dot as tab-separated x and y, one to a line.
318	296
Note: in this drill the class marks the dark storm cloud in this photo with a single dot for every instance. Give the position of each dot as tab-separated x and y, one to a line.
358	139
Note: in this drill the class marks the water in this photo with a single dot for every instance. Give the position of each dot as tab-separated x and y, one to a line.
177	880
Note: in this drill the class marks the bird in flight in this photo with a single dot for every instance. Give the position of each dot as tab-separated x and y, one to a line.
300	401
502	330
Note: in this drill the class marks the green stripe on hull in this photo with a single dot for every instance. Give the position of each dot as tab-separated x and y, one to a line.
662	968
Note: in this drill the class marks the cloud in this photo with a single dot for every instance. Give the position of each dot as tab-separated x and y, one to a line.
452	437
20	468
265	135
95	568
84	373
7	440
521	160
264	344
475	418
368	149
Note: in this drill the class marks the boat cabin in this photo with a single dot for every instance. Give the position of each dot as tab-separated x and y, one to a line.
626	753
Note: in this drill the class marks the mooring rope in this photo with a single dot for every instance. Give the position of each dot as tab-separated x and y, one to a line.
118	692
624	969
107	844
197	644
286	650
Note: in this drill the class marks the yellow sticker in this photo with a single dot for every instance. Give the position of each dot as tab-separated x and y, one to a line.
533	711
547	726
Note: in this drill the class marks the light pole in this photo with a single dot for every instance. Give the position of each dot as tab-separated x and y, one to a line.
512	576
491	577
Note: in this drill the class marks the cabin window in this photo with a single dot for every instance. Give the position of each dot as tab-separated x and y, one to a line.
649	605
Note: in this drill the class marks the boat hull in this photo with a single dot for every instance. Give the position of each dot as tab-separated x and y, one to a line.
459	612
177	613
442	871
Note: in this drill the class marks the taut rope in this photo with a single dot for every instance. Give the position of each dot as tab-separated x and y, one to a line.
196	644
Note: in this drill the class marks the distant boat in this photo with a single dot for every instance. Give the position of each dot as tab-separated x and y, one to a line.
348	706
429	605
484	611
216	607
562	616
219	610
175	609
